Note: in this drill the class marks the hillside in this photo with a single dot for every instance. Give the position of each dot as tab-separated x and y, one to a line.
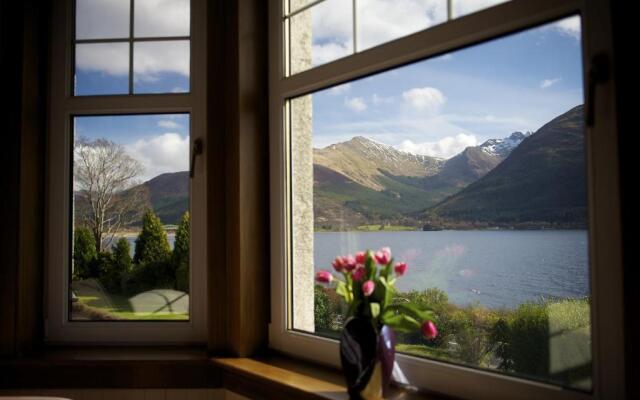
169	195
363	182
541	183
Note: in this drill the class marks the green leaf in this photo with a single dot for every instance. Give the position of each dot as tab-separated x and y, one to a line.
342	290
375	309
400	322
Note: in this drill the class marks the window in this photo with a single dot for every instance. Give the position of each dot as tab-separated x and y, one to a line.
464	148
327	30
126	179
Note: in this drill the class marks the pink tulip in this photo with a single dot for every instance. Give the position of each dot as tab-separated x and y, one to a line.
349	263
400	268
383	256
339	263
368	287
324	276
429	329
358	273
361	256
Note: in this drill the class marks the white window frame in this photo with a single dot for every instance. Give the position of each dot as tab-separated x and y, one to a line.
604	217
63	106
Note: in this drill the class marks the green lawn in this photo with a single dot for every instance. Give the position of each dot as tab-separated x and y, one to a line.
161	304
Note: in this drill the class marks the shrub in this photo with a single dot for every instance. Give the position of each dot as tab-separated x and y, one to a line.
529	340
152	245
115	269
84	254
322	309
180	255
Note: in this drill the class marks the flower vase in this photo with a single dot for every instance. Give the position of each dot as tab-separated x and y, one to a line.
367	358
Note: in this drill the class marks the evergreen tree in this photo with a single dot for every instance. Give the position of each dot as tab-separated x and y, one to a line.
84	254
152	245
180	256
116	267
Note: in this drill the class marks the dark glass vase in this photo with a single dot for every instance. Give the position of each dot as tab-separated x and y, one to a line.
367	358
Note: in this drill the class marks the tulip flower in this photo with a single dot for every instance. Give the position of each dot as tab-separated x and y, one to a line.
358	273
349	263
400	268
324	276
368	287
361	256
429	329
339	263
383	256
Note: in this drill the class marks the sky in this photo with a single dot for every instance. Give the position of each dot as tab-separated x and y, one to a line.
435	107
441	105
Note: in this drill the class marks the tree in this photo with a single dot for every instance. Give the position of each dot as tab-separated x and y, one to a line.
84	253
152	245
116	266
104	180
180	256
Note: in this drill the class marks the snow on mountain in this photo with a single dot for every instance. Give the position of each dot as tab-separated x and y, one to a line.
502	147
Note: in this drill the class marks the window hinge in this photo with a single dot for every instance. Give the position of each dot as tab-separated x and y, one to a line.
196	151
598	73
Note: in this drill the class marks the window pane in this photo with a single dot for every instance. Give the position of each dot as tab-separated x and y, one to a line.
380	21
102	19
102	68
130	255
161	67
161	18
320	34
464	7
298	4
471	168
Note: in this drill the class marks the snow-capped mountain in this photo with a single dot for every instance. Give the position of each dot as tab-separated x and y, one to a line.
502	147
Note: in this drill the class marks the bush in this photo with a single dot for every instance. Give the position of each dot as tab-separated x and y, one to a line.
115	269
152	245
84	254
529	340
180	255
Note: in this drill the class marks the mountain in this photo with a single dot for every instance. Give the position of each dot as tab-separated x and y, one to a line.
364	182
541	183
169	195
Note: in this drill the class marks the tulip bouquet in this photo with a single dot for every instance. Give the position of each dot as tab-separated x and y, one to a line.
368	286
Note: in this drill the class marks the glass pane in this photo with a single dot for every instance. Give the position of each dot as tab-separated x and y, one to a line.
130	257
298	4
161	67
102	68
320	34
102	19
161	18
380	21
471	168
464	7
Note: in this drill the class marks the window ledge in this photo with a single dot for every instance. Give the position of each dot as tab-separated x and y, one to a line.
284	377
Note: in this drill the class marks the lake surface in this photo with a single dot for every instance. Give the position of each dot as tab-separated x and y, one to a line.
492	268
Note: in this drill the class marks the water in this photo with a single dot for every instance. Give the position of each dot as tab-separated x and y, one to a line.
492	268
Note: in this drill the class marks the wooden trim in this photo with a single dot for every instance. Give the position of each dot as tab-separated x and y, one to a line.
239	293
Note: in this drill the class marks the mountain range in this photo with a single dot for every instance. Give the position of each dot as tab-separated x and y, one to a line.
525	179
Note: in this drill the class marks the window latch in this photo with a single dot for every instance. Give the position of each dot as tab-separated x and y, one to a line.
196	151
598	73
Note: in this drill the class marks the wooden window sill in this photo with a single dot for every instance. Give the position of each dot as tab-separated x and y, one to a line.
280	377
271	377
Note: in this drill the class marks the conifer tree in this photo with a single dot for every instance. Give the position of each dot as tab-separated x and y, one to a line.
84	253
180	256
152	245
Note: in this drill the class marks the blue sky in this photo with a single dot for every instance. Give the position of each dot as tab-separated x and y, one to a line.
441	105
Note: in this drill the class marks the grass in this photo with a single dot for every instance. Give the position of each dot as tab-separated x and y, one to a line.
95	303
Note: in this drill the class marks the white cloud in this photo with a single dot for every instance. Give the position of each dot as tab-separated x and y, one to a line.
167	124
425	99
153	58
380	21
467	7
546	83
168	152
340	89
162	17
569	26
356	104
381	100
108	58
324	53
446	147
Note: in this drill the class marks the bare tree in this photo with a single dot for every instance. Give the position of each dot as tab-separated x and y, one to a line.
106	196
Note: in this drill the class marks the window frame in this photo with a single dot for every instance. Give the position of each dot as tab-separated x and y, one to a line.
605	261
63	106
